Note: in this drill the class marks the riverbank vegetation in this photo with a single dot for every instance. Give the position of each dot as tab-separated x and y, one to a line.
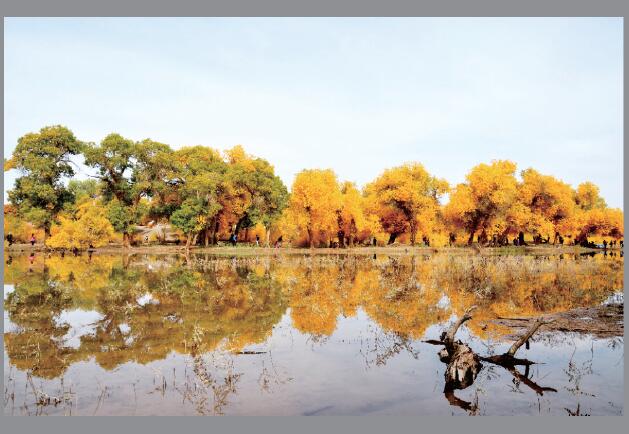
204	196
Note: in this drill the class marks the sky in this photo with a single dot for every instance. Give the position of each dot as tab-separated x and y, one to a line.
357	95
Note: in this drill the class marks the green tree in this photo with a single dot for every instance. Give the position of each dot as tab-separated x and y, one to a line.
189	218
267	196
43	158
129	171
199	174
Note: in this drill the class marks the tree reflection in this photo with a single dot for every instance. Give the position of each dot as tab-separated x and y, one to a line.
150	306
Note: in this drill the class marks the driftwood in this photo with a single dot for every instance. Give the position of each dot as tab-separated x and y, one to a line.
463	364
508	358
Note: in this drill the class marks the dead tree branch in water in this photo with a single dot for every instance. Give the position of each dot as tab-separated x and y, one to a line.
463	364
508	359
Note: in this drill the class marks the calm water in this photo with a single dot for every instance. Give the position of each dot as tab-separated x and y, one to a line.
297	335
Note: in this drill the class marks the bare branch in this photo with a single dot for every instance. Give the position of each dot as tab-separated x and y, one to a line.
449	336
526	336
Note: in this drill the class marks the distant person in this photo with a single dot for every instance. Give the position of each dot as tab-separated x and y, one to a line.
278	243
621	245
257	240
10	239
605	244
32	240
374	242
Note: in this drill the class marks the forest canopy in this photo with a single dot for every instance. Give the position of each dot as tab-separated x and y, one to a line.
206	197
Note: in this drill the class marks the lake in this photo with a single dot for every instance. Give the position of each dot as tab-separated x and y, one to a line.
300	334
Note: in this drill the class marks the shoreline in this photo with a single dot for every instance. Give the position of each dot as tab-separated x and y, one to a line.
256	251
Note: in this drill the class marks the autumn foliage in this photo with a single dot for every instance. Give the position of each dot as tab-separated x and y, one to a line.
210	196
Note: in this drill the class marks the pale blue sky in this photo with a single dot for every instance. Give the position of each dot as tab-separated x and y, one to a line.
352	94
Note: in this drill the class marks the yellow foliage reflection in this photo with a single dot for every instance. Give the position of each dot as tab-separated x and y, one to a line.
141	308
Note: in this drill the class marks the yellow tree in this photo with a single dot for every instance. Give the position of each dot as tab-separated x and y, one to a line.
549	200
485	198
405	195
606	222
314	202
593	217
587	197
91	227
351	215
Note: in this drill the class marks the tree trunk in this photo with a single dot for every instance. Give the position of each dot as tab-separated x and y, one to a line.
125	240
470	240
188	241
215	232
268	237
413	233
341	237
310	238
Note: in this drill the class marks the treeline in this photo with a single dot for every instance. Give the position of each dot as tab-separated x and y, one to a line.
211	196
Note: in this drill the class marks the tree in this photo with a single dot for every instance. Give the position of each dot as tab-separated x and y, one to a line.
123	218
200	173
91	227
189	218
486	197
43	158
314	202
408	192
129	171
254	194
587	197
351	215
606	222
550	201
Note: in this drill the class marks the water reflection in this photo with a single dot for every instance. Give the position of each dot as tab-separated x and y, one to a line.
134	308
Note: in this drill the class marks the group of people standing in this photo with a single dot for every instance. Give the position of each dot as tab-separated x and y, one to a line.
612	244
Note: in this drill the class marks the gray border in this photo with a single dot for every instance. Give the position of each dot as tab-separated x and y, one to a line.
289	8
318	8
